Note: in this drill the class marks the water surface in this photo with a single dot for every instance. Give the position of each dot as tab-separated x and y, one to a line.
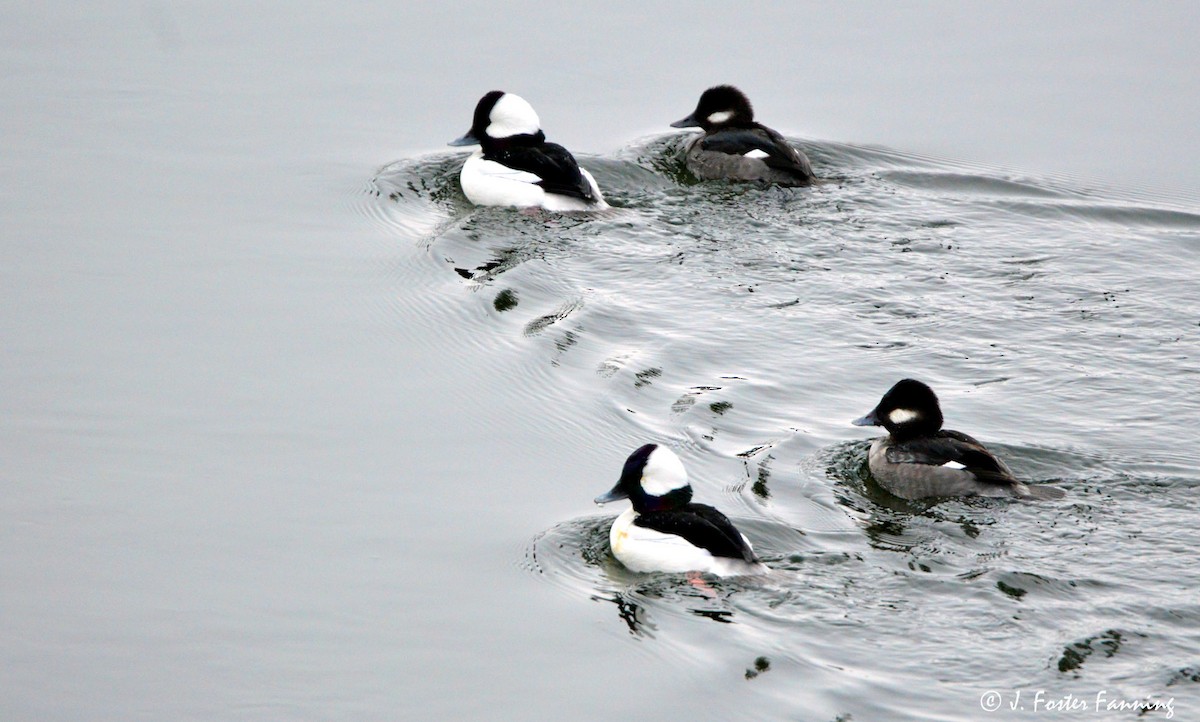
746	325
291	431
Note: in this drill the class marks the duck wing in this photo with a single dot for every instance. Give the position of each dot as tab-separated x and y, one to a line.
755	141
954	449
702	526
556	169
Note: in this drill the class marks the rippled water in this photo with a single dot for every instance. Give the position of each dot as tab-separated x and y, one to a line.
745	326
290	435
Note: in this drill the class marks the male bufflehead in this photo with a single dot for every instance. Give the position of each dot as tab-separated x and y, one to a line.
918	458
664	531
515	166
734	147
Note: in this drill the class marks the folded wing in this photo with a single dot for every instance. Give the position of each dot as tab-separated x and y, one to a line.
703	527
754	141
952	448
549	165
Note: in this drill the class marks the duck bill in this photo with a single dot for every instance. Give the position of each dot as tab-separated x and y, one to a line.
467	138
616	494
870	419
688	122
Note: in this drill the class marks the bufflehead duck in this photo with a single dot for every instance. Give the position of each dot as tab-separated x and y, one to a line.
515	166
918	458
664	531
734	147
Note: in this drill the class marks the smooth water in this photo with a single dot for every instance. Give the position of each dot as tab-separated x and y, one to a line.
292	431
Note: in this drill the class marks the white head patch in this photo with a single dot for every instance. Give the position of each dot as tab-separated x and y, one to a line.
900	416
720	116
512	115
663	472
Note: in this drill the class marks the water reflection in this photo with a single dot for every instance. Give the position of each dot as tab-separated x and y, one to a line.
576	555
759	474
632	614
761	665
1105	644
674	594
506	300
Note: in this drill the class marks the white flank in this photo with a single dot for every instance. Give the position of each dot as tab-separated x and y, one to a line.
492	169
646	550
953	465
756	153
567	204
600	203
512	115
720	117
900	416
663	472
488	183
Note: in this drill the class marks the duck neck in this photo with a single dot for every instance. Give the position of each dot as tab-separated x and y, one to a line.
525	140
643	503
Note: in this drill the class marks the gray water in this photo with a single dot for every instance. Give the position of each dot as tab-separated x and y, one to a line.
291	431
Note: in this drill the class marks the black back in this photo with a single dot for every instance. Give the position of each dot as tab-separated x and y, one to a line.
703	526
947	445
755	136
554	164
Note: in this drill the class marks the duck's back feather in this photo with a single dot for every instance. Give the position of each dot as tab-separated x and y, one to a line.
948	463
742	141
702	526
952	446
556	169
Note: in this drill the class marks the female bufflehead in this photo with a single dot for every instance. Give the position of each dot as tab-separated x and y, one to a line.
734	147
515	166
664	531
918	458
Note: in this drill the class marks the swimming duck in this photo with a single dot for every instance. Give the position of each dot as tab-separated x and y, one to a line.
734	147
918	458
664	531
515	166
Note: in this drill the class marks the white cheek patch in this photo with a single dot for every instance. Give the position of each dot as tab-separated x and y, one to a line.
720	117
756	153
512	115
901	416
663	473
953	465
